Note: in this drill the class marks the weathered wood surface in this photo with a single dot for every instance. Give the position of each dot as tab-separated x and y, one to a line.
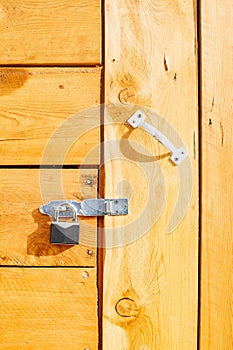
151	285
25	232
48	309
216	331
46	32
35	102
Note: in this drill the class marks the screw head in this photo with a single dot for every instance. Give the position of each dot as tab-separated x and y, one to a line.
90	252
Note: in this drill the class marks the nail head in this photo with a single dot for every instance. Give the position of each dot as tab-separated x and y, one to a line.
85	275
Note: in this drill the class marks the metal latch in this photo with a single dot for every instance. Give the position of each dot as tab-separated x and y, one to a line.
88	207
138	119
68	232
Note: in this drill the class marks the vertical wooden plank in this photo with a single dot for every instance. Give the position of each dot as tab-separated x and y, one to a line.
150	285
216	329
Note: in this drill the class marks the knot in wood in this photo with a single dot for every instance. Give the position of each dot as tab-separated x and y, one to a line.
127	95
127	307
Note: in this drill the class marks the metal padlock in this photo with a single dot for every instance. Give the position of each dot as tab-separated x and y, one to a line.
64	232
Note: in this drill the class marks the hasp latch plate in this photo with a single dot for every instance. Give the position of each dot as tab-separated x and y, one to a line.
87	207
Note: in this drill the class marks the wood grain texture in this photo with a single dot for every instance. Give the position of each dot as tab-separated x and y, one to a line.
216	329
36	102
150	285
25	232
48	309
50	32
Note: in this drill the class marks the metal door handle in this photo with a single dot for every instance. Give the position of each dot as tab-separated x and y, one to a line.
138	119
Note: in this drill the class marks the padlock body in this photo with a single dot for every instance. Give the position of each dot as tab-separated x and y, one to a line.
64	233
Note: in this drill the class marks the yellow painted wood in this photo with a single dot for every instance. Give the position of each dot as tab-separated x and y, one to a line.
25	232
36	102
50	32
216	330
151	284
48	309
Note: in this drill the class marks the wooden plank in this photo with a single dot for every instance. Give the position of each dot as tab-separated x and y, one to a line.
48	308
25	232
216	330
36	102
50	32
151	284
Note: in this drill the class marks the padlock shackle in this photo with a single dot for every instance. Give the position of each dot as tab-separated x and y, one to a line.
67	205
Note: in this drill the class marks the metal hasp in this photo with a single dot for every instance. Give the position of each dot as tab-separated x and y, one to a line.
88	207
68	232
138	119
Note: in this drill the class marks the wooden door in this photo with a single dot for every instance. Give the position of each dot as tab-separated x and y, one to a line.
158	294
50	75
160	277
